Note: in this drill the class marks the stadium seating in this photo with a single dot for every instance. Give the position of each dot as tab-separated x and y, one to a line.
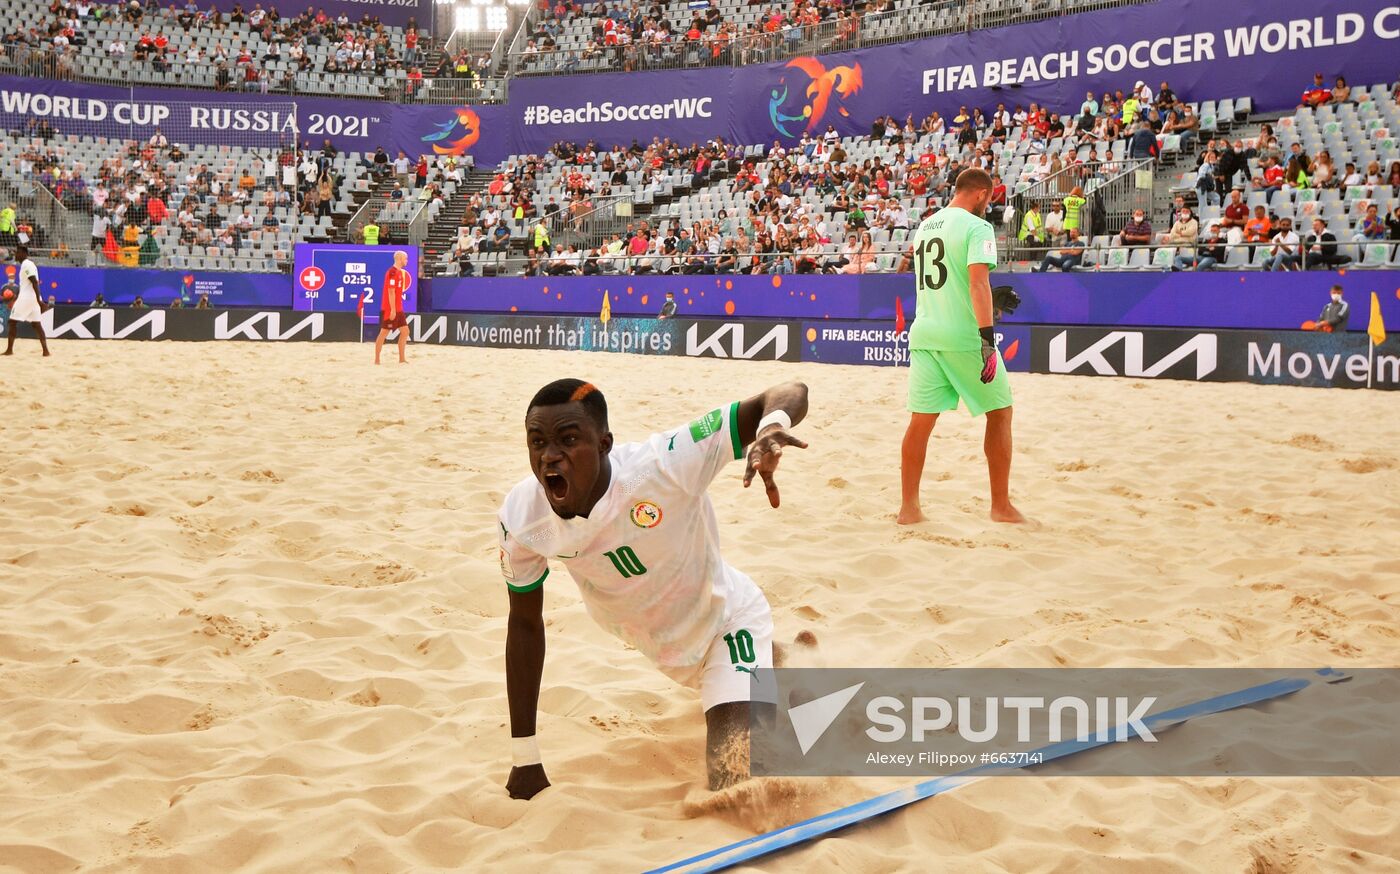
91	60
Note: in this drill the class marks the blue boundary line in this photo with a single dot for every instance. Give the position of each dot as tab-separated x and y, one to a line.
761	845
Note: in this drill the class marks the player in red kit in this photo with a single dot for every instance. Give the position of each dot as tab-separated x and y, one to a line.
391	315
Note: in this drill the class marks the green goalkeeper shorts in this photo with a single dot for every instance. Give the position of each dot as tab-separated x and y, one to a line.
937	380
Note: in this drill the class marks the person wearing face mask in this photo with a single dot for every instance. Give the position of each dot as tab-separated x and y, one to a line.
1137	232
1333	319
1183	233
1208	256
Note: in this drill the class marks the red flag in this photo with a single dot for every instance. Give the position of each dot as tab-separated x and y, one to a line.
360	307
898	316
109	248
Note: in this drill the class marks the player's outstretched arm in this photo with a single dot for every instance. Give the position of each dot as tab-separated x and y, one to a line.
524	665
764	420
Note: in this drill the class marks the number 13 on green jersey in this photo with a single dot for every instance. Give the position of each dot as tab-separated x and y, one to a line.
944	245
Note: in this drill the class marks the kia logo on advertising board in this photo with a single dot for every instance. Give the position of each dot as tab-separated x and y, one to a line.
1126	353
247	329
158	323
149	325
741	340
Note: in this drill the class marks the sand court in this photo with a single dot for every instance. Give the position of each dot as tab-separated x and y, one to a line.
254	619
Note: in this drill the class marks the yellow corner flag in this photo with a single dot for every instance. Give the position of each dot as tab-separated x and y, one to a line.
1376	327
606	312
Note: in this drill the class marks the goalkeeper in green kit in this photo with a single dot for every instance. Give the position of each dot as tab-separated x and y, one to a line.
952	345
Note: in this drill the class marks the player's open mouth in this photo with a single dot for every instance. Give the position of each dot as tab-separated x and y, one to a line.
556	485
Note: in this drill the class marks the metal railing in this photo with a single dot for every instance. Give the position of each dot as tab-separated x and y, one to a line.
881	258
46	63
1112	190
1161	255
751	47
417	228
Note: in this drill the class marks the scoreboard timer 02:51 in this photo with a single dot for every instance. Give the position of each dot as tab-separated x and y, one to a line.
339	278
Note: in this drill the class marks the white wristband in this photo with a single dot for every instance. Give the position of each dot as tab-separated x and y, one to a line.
524	751
777	417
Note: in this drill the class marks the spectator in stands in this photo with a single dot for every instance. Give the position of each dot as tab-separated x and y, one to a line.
861	257
1285	253
1143	143
1236	216
1320	249
1208	256
1206	179
1372	228
1229	162
1270	180
1068	257
1318	94
1295	152
1137	232
138	303
1392	224
1055	224
1294	176
1324	175
1341	92
1183	233
379	163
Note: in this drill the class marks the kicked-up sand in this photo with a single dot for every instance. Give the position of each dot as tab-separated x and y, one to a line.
251	617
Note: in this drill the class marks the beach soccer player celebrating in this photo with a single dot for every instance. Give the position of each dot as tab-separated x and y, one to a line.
634	525
25	307
391	315
952	343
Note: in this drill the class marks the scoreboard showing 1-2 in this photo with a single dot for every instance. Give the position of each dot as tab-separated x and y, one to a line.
329	277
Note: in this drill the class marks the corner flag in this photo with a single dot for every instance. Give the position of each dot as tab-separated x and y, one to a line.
898	316
606	312
1376	326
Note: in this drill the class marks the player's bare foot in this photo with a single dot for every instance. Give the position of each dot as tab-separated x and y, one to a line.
1007	513
910	516
7	352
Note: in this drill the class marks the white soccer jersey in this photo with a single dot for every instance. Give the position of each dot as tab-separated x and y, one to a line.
646	560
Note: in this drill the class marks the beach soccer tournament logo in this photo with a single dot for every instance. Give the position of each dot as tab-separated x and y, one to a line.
461	133
821	88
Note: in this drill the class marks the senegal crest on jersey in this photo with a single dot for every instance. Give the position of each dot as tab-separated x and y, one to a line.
645	514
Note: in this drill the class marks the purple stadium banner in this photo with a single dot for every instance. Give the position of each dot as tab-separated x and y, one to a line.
747	297
255	121
1206	51
79	285
1254	300
615	108
1145	299
1199	300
